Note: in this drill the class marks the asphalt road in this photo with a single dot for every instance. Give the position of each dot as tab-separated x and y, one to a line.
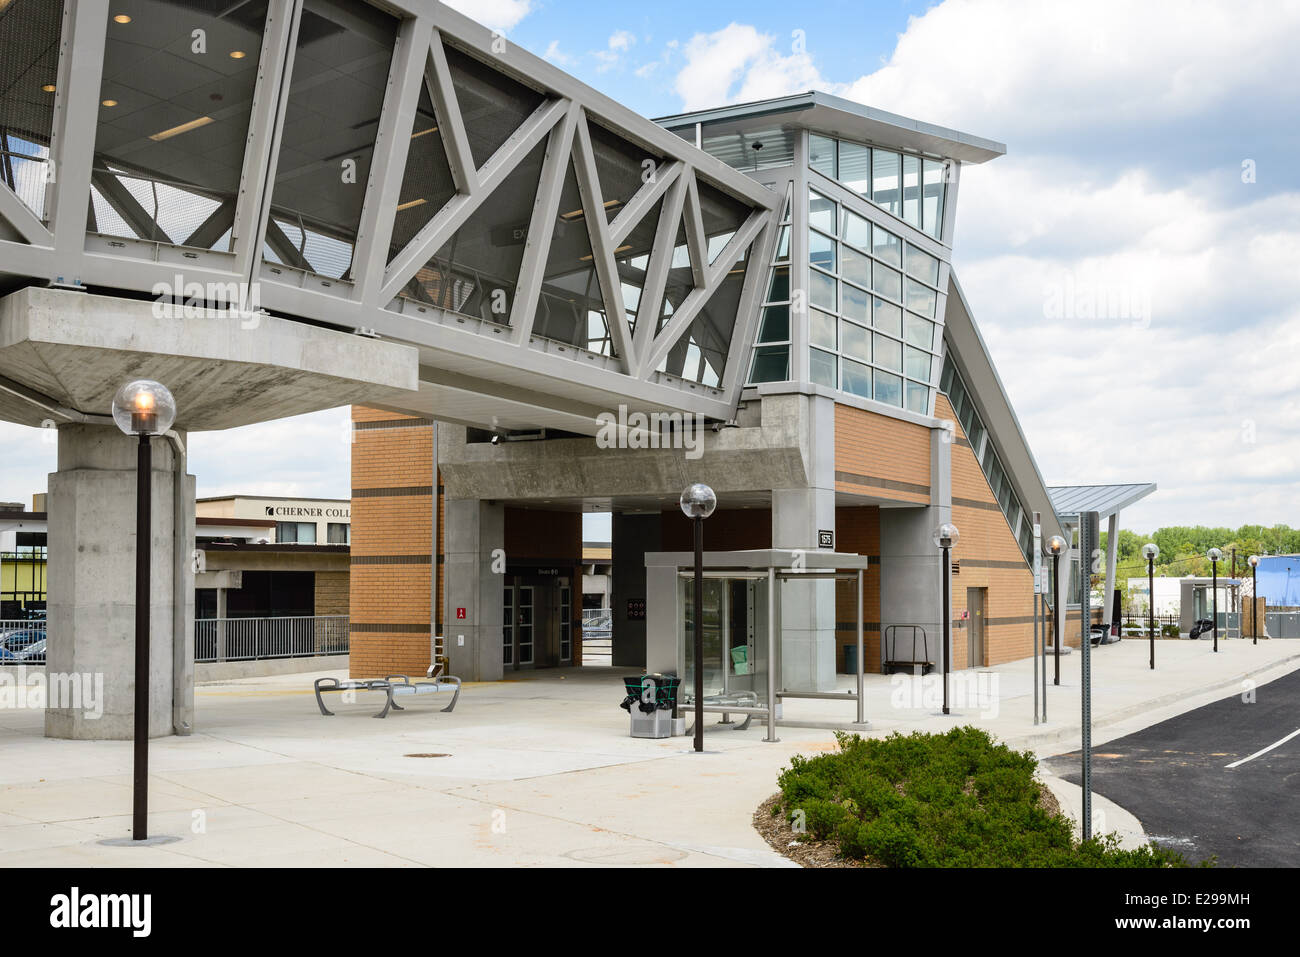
1174	777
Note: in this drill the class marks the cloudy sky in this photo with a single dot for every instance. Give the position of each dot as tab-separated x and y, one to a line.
1133	261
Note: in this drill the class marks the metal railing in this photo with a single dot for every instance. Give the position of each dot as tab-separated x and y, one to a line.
249	639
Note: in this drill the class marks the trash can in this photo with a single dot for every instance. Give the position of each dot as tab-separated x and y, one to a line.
651	704
850	659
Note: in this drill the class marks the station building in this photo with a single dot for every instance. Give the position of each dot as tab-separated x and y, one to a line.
537	302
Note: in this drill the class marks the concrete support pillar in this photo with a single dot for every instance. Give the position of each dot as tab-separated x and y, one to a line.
92	553
474	576
633	535
798	516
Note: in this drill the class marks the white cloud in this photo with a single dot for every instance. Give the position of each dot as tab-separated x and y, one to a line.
496	14
557	56
738	64
620	42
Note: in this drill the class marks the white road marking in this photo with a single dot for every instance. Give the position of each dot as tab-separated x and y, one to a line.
1275	744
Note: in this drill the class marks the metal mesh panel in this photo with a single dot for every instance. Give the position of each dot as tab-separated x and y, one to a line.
492	104
29	62
427	182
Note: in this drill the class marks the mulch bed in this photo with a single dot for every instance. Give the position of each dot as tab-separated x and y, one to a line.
776	830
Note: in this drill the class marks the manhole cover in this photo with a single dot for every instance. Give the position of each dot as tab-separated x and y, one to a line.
427	754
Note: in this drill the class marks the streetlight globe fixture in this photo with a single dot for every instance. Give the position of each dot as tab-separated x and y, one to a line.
698	501
1214	555
144	407
1253	561
1150	551
1055	545
946	535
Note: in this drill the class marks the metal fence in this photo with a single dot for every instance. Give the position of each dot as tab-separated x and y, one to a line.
22	641
247	639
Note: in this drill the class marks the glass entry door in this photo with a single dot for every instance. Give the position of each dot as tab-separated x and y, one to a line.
524	623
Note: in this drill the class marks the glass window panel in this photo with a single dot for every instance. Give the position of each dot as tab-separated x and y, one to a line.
620	166
918	365
494	105
783	245
886	180
779	288
789	194
889	388
945	381
172	123
919	331
484	256
855	267
722	214
855	167
751	150
856	230
821	154
427	182
857	378
821	330
855	342
776	324
932	198
920	298
889	353
968	416
922	265
886	246
821	212
855	303
888	318
918	398
771	364
822	291
821	250
888	282
912	189
821	367
340	78
29	64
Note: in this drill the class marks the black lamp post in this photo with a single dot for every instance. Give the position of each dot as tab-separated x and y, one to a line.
1056	548
698	503
945	537
1151	551
1253	561
1215	556
144	408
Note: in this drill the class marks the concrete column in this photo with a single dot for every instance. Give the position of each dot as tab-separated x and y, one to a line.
92	552
473	580
798	514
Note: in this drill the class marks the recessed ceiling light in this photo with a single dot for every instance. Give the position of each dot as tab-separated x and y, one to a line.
411	204
432	129
183	128
121	18
237	54
109	103
48	88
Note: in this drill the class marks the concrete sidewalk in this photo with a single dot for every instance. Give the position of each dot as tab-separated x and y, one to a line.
535	771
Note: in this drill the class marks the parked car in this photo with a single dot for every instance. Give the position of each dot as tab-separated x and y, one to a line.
33	654
15	640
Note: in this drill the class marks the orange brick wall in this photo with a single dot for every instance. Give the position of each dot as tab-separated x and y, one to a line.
392	526
880	456
989	558
857	530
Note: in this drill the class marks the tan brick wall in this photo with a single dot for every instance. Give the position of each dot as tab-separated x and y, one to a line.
332	593
881	456
990	558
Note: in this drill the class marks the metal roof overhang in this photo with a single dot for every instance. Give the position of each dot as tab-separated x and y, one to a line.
835	115
1070	500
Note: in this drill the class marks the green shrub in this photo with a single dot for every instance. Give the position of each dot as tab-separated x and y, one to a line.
956	799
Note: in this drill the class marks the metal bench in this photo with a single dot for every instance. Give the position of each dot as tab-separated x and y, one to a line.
392	686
